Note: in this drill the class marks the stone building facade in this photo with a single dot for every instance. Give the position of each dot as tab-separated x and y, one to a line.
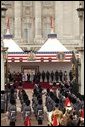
30	22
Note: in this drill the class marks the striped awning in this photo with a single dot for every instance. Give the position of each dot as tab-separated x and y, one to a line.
40	57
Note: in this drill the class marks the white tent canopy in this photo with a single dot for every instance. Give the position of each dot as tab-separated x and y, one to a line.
52	45
10	43
12	46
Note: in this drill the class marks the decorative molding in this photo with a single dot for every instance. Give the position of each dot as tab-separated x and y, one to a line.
47	12
61	56
31	56
27	3
47	3
8	3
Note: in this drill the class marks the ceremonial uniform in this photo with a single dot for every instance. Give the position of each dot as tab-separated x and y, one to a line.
26	111
40	113
12	114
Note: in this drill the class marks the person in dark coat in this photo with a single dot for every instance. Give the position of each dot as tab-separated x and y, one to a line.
40	112
20	76
35	77
48	91
65	75
70	75
14	74
43	76
39	75
47	76
10	77
34	102
56	75
49	102
26	109
8	89
28	77
13	92
78	105
3	101
52	76
60	75
12	112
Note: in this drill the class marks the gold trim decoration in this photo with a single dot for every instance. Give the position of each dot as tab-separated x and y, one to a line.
31	56
61	56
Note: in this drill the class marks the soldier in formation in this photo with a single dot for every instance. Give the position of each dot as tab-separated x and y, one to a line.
47	76
43	76
11	106
3	102
52	76
56	75
37	104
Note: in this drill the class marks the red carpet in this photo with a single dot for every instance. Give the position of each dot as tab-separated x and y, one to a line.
44	85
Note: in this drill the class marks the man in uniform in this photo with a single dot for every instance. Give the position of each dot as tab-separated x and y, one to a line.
60	75
56	75
70	75
43	76
52	76
47	76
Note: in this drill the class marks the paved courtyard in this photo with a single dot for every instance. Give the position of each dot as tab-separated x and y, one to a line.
19	122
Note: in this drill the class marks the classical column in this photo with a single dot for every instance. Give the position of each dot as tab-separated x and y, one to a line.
82	73
81	44
37	13
3	18
81	21
59	18
81	70
81	48
2	69
3	15
17	19
2	26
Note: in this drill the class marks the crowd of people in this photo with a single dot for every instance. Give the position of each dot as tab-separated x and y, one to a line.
63	107
40	76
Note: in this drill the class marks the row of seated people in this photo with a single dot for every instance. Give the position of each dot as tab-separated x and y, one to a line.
41	76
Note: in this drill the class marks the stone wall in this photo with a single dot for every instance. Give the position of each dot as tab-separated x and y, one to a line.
27	21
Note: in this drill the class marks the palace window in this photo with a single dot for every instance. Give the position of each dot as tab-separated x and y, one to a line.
7	3
27	32
46	27
47	30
